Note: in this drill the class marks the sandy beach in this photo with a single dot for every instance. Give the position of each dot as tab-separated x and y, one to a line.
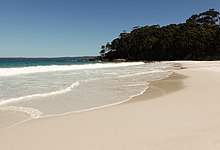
178	113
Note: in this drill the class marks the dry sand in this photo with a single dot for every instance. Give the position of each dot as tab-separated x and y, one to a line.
178	113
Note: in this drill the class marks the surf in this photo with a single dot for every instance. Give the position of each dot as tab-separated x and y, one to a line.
7	72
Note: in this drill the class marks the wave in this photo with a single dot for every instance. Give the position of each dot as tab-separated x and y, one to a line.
68	89
32	112
102	106
5	72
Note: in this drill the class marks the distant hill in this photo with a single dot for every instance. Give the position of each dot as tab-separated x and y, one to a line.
196	39
81	58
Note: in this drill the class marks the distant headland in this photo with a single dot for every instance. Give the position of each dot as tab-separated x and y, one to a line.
198	38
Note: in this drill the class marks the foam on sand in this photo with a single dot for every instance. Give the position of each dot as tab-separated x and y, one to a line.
32	112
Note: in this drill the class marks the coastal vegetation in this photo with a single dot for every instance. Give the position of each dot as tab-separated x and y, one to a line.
198	38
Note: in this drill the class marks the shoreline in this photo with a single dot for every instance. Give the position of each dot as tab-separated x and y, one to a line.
161	87
148	91
152	91
186	118
10	119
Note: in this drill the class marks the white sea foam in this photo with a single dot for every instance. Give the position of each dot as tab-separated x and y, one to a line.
131	85
68	89
5	72
141	73
32	112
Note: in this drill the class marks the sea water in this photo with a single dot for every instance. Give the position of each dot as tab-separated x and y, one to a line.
42	88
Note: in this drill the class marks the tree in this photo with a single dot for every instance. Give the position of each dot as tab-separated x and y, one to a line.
103	51
207	18
196	39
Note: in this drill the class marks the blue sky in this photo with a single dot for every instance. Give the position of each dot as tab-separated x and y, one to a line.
48	28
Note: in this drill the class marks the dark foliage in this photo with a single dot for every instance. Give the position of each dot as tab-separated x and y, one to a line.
196	39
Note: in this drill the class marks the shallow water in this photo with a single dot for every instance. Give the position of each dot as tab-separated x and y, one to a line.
52	90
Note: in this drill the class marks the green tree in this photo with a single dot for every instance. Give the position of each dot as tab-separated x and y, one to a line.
196	39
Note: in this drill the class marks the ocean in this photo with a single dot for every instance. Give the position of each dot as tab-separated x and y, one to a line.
44	87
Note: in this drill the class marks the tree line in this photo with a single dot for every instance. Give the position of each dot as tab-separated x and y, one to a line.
198	38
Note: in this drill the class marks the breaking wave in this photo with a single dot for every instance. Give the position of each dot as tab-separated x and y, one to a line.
68	89
5	72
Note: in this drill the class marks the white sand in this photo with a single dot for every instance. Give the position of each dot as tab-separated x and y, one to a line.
9	118
186	119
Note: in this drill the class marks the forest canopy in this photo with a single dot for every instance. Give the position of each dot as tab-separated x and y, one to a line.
196	39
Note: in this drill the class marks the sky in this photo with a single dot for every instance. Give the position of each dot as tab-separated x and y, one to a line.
59	28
